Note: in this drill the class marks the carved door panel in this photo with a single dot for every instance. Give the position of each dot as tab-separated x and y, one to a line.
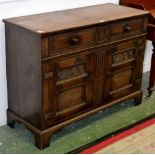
124	68
69	86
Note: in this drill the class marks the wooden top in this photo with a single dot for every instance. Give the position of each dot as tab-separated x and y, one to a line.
73	18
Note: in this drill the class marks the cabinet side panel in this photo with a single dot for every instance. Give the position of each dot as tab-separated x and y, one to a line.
26	75
11	66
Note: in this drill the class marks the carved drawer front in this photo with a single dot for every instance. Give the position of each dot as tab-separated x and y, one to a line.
128	27
71	40
123	73
69	87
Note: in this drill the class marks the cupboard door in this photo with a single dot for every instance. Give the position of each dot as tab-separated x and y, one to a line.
124	68
69	86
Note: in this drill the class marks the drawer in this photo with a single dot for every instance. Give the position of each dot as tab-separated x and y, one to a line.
74	39
127	28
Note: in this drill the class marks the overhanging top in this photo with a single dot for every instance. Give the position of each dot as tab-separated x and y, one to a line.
73	18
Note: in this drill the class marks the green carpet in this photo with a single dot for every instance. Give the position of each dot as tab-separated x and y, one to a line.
20	140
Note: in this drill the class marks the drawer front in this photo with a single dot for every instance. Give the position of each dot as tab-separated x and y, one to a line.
74	39
124	68
128	27
67	87
70	42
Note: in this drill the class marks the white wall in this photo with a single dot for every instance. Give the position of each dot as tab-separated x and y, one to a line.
14	8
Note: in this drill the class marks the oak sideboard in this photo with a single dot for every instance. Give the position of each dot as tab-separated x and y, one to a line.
66	65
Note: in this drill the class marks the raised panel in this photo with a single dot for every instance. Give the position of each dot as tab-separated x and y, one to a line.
121	79
71	73
71	97
123	56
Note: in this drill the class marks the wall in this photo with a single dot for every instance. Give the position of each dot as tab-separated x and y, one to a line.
14	8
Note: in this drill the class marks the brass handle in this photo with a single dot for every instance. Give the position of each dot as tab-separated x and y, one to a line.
128	28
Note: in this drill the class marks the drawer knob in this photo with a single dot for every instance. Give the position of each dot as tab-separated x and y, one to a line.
128	28
74	40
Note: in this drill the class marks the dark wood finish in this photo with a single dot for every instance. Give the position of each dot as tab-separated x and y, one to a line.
74	67
148	5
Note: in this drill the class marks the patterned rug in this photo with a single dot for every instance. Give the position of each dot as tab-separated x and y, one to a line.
137	140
